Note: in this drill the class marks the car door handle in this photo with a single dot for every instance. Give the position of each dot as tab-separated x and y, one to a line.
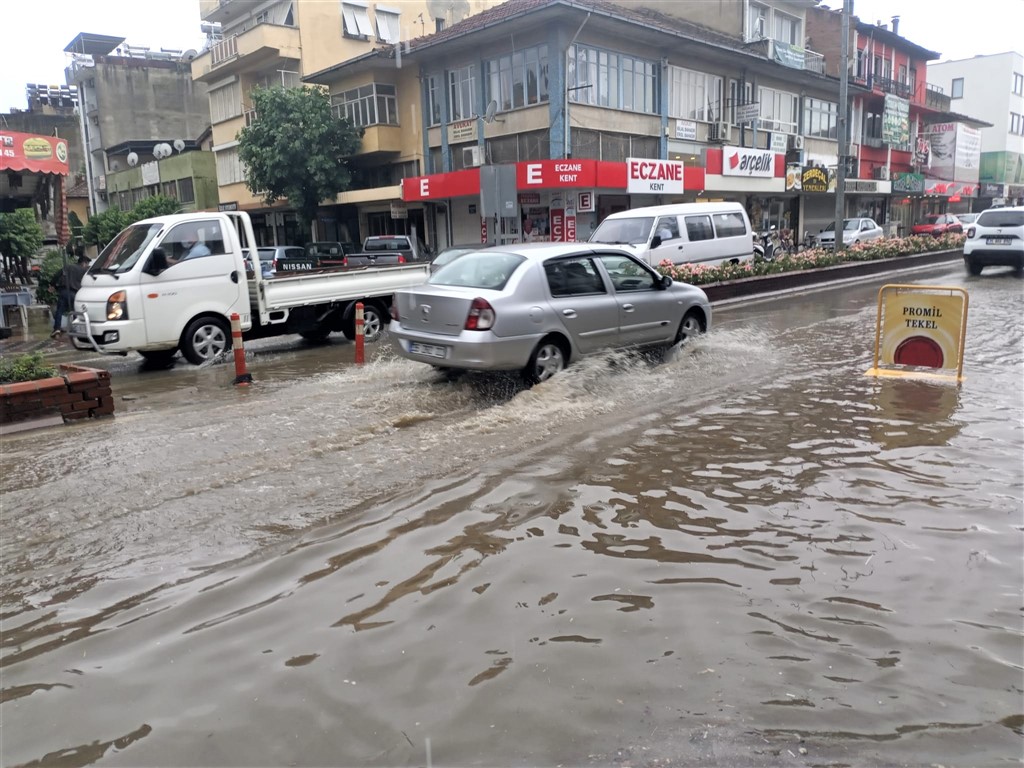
628	307
569	312
234	276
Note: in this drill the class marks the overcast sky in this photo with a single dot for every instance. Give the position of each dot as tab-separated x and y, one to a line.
35	32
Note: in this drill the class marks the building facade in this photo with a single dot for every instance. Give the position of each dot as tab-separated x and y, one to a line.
991	87
188	177
131	99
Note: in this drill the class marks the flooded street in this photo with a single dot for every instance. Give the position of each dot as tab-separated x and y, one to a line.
750	554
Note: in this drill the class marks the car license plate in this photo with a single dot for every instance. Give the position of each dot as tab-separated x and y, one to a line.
997	241
430	350
78	328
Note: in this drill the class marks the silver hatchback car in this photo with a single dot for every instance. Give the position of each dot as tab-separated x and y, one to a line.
537	307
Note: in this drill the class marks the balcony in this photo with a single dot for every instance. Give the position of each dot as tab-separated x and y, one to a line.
895	87
790	55
381	139
224	11
935	98
263	46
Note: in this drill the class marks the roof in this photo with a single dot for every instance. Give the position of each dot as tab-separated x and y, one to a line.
81	189
889	37
955	117
93	44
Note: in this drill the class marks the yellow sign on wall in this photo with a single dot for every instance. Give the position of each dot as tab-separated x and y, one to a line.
920	326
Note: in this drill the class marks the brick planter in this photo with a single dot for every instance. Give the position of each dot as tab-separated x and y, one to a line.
78	393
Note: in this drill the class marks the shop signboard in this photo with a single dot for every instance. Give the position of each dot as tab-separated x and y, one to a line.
529	198
741	161
686	130
557	225
36	154
908	183
556	174
815	179
968	153
746	113
585	202
570	229
463	130
653	177
779	143
150	173
942	150
794	177
991	190
943	188
788	55
232	206
399	210
896	120
441	185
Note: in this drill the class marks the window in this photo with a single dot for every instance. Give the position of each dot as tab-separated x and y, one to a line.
356	21
388	27
373	104
182	239
571	277
613	80
461	90
225	103
873	125
438	25
758	26
667	228
957	91
778	110
1018	83
821	118
186	191
913	82
626	274
787	29
903	73
862	58
739	93
694	95
699	228
730	224
170	190
519	79
1016	124
434	99
229	167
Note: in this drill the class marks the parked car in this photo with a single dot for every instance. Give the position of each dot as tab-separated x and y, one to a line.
858	230
967	218
995	239
270	255
451	253
937	224
537	307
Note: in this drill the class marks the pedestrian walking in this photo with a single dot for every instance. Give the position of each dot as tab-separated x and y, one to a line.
68	282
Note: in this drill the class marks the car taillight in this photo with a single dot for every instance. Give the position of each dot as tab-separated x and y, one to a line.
480	317
970	231
393	311
401	259
344	261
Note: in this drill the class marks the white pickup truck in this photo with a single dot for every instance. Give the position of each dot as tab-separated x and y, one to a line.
173	282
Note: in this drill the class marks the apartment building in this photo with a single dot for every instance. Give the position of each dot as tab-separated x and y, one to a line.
256	43
992	88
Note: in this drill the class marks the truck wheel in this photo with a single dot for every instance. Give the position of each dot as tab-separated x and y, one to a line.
160	359
374	321
204	339
317	335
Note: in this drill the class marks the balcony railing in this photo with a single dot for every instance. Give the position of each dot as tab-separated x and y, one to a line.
224	50
888	85
935	98
790	55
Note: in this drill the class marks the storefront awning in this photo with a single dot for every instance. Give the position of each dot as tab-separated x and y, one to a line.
32	153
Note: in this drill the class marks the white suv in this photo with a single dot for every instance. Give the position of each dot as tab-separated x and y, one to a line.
995	239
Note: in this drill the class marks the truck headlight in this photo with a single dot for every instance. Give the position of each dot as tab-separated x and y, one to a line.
117	306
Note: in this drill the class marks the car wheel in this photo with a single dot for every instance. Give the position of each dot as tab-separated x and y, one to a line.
973	267
204	339
159	359
374	321
689	327
547	360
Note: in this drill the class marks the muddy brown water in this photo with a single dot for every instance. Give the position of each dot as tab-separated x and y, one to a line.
750	554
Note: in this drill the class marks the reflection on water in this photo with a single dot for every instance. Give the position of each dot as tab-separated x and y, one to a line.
751	554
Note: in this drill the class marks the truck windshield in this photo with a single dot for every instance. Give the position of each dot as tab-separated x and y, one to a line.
619	231
124	250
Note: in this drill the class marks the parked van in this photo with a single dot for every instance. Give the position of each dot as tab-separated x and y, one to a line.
685	233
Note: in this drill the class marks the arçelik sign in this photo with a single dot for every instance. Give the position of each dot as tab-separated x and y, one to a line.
920	326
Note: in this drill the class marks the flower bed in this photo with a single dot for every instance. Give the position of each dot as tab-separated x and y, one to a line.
814	258
76	393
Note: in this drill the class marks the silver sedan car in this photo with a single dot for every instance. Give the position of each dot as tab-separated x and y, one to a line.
537	307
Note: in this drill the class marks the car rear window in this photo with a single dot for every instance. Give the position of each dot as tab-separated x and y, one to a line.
483	269
388	244
999	218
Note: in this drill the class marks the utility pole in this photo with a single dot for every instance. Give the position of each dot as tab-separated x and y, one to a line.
844	128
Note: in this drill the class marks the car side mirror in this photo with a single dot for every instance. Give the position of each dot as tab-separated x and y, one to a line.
665	282
655	241
157	262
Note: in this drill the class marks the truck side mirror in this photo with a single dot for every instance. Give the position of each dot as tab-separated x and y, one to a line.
157	262
655	241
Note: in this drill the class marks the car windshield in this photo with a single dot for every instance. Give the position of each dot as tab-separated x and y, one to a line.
124	250
480	269
1001	218
618	231
932	219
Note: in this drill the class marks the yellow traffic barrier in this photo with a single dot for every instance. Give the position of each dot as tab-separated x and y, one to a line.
920	326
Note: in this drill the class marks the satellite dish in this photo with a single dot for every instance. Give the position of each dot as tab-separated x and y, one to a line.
133	159
492	107
179	144
114	165
190	54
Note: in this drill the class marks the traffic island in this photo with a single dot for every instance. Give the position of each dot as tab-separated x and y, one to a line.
76	393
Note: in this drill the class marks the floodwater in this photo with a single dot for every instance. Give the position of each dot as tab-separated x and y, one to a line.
750	554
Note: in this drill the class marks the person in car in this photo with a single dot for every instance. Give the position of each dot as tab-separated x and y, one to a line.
191	246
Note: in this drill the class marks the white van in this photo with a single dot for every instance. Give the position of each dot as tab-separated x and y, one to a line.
685	233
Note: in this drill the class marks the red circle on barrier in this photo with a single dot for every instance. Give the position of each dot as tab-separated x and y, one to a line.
919	350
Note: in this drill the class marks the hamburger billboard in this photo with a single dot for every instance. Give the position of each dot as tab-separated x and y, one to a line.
36	154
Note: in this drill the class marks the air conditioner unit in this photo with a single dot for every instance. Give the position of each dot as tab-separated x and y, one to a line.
718	132
796	142
882	173
471	157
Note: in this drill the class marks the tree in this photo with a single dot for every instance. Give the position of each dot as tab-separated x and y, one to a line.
21	237
297	149
158	205
103	227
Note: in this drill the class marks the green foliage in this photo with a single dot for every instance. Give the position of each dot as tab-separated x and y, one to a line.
297	149
814	258
77	228
103	227
25	368
20	233
158	205
53	263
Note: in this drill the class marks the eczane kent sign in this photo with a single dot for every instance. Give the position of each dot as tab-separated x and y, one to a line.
653	177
